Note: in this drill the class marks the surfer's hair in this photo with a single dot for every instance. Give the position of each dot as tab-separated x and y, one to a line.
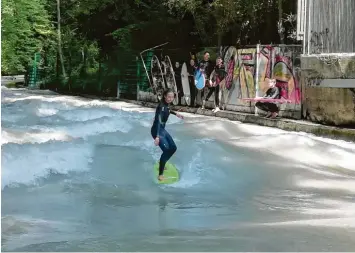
167	91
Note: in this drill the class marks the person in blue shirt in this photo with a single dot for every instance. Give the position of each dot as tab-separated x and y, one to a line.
161	137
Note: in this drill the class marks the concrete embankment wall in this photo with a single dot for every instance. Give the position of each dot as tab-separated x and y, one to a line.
328	82
319	87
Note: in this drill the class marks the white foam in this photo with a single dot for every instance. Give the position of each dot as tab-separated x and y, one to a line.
328	184
332	207
23	164
85	129
263	130
147	145
107	125
339	143
43	112
12	117
190	175
333	222
19	137
258	130
301	149
69	101
85	115
58	99
21	231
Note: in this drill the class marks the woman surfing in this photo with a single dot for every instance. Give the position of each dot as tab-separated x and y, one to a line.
161	137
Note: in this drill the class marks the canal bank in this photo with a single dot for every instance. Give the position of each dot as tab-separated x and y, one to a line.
338	133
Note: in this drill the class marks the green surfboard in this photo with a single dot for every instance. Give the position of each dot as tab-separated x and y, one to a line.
171	173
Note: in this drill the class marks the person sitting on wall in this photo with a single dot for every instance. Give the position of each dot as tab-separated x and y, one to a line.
272	93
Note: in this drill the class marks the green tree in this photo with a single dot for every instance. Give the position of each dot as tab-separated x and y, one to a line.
26	29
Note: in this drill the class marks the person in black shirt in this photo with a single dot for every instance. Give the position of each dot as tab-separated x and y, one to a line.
216	77
177	74
193	90
272	93
206	67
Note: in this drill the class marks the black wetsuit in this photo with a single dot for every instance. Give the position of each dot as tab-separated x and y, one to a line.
166	143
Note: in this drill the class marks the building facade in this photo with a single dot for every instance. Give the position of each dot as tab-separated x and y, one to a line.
327	31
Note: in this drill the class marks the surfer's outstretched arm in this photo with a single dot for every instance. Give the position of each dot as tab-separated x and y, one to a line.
177	114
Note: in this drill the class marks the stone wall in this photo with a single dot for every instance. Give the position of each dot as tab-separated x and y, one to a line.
329	88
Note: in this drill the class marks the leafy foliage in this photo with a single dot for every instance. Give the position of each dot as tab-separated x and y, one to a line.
26	29
99	37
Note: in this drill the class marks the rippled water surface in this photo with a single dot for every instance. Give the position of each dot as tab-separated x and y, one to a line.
77	176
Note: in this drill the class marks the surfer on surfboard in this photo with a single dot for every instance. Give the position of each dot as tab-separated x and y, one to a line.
161	137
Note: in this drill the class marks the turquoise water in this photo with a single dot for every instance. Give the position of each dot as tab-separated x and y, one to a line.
77	176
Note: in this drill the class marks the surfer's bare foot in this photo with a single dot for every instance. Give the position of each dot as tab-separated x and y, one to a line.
161	178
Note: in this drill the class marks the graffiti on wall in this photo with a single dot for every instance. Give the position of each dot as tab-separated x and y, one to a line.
248	71
254	67
319	41
278	63
286	77
265	64
244	72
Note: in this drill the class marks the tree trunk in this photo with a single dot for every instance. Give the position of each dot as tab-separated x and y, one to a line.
219	39
60	41
280	25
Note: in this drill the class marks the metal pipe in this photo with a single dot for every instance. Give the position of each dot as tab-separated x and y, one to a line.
145	67
146	71
154	47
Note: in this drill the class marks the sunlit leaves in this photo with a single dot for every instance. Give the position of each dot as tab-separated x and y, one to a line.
26	29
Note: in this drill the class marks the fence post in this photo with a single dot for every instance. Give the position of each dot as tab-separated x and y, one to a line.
139	78
257	76
33	76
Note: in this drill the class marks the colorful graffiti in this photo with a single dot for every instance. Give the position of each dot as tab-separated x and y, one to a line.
277	63
248	70
244	72
254	66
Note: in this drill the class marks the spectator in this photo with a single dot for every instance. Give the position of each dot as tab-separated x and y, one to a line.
191	69
177	74
217	76
272	93
205	66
